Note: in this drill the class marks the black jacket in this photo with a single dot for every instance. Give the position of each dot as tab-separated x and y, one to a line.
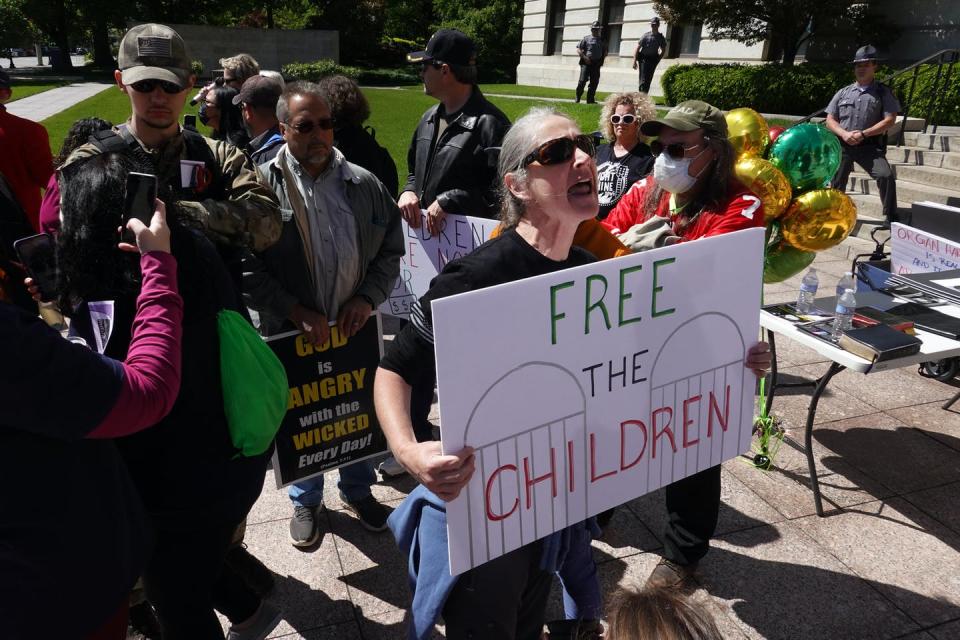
460	171
359	145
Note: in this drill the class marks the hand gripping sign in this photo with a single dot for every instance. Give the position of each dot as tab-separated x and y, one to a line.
609	381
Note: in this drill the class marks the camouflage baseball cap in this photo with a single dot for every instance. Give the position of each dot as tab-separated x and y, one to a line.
688	116
154	52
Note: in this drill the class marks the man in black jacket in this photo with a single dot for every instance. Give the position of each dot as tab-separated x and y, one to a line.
450	168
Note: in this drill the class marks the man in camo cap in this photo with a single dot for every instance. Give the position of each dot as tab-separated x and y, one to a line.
216	184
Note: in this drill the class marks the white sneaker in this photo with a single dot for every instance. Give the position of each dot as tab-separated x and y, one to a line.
390	468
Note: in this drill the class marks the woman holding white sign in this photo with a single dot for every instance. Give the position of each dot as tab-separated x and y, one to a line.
549	186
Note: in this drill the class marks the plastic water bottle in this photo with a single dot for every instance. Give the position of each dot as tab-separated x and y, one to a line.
843	317
808	289
846	282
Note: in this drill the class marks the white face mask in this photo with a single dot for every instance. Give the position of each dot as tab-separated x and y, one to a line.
674	175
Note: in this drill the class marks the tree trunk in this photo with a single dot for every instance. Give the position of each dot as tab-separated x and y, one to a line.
61	38
102	56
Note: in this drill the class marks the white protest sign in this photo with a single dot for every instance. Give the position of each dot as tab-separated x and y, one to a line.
586	388
915	251
425	256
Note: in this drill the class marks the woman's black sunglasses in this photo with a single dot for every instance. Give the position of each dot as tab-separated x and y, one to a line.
147	86
560	150
627	118
306	126
675	150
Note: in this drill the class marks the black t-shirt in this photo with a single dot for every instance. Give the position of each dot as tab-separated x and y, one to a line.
616	175
506	258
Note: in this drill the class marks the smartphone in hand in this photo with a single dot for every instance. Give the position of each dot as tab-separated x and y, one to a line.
139	202
39	257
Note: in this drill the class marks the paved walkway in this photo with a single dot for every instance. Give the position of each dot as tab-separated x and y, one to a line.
883	564
41	106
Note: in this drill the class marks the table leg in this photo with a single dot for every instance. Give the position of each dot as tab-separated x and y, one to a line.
808	433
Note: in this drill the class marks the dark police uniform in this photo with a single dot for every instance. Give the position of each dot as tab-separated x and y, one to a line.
594	47
648	56
857	108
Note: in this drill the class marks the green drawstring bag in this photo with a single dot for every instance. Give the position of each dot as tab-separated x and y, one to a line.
254	385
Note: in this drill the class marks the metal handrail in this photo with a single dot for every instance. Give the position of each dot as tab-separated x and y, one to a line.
945	59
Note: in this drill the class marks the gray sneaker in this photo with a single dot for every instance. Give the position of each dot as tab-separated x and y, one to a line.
304	530
259	627
390	468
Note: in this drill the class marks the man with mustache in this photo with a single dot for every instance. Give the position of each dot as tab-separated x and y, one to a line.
337	259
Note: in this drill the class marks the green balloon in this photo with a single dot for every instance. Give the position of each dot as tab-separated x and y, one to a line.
808	154
784	261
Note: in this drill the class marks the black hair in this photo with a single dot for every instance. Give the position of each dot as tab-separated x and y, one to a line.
231	118
92	201
78	135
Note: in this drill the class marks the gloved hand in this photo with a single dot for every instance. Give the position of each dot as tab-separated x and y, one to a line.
652	233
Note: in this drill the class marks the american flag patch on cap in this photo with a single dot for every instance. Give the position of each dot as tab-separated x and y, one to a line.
158	46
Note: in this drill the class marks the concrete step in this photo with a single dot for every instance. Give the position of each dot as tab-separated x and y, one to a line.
907	191
933	141
929	176
924	157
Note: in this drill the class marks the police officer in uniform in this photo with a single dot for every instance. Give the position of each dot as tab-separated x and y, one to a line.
648	53
592	50
859	114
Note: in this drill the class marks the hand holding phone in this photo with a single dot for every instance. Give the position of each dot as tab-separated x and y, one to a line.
139	202
39	258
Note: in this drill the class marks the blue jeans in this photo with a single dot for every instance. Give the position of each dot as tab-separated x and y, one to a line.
354	485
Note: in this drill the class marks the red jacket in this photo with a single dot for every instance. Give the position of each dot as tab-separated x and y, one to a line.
25	160
743	210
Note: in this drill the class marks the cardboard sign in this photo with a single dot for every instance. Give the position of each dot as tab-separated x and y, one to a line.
598	385
915	251
426	256
330	420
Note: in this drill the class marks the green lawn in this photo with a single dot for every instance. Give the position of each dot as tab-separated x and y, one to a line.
110	104
22	89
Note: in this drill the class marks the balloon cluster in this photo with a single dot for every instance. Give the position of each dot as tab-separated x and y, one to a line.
789	170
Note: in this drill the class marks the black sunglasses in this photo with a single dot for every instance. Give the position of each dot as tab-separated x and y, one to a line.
306	126
627	118
675	150
147	86
560	150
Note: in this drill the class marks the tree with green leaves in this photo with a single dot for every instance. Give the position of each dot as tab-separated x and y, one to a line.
788	24
15	29
496	26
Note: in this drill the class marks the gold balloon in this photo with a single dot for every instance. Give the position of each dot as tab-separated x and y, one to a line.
747	131
767	182
818	220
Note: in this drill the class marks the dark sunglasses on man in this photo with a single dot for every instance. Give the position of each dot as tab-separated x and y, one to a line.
147	86
560	150
676	150
307	126
627	118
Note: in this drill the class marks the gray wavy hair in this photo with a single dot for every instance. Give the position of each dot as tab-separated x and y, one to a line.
642	105
521	139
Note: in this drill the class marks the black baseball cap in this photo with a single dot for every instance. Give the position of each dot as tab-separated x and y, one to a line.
447	45
865	53
259	91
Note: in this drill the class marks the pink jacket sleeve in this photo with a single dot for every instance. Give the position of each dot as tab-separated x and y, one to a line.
151	380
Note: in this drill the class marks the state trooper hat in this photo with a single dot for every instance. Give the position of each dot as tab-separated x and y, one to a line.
154	52
450	46
865	53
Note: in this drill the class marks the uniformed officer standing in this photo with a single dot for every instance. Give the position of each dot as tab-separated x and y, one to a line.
647	54
592	50
859	114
